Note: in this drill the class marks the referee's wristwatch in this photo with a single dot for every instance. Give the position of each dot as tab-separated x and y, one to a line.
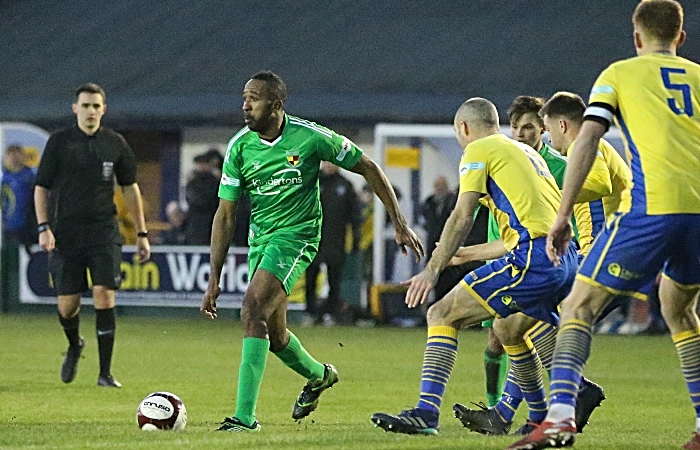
43	226
142	234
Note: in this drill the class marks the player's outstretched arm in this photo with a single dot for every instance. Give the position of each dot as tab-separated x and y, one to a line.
479	252
582	157
221	235
455	231
377	180
134	203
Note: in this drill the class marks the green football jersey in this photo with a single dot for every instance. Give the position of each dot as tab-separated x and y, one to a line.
281	177
556	163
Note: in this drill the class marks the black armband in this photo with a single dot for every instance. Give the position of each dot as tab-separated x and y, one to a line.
43	226
142	234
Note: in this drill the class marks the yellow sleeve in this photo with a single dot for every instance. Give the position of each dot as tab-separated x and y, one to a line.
584	223
473	171
605	88
598	183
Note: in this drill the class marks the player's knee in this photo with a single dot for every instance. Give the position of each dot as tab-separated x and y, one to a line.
438	313
68	311
507	332
278	340
585	307
494	344
251	312
679	316
68	305
103	297
254	325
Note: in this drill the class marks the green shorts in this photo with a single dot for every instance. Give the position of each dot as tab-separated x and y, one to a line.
285	258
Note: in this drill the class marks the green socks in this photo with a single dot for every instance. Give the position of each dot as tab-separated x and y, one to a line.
496	368
253	361
298	359
250	376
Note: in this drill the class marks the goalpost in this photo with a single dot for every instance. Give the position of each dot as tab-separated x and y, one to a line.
426	151
403	133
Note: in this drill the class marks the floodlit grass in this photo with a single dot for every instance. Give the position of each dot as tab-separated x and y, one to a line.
647	406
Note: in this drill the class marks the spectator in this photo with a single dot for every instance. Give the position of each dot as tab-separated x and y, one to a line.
17	198
452	275
435	210
340	209
202	195
175	235
216	160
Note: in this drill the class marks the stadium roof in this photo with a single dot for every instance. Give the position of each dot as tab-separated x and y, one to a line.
176	62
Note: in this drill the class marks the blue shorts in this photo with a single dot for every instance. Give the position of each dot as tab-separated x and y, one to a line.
524	280
632	249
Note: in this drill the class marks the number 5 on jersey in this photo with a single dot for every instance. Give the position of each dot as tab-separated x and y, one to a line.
683	88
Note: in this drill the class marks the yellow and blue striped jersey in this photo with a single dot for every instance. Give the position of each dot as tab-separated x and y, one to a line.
597	184
521	192
655	100
603	190
584	223
620	178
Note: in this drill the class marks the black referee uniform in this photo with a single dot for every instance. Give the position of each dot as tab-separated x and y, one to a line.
79	170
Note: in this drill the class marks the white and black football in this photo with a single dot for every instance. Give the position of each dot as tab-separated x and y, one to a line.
161	411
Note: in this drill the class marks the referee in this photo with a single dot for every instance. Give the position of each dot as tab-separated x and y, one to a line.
75	183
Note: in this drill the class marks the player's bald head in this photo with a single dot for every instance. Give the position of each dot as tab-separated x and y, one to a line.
478	112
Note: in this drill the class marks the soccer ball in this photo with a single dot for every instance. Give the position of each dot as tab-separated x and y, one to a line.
161	411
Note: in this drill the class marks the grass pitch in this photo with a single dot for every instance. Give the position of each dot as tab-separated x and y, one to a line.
647	405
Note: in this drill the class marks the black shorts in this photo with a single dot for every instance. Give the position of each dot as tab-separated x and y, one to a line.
69	270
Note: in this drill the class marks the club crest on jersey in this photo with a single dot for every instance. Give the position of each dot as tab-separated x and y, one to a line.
293	157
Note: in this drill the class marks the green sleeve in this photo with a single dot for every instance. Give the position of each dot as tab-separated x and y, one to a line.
230	184
558	174
340	151
494	232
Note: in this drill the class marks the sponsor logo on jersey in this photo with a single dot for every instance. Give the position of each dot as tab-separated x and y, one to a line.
464	168
228	181
284	178
510	303
256	165
604	89
293	157
618	271
345	148
107	170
